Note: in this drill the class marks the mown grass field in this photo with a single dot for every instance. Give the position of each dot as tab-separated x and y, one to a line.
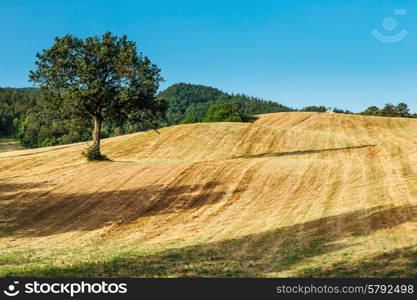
9	144
292	194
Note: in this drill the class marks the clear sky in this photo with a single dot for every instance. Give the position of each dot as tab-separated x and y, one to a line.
296	52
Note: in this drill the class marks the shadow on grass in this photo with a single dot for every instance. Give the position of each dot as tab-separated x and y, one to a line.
29	213
301	152
401	262
257	255
10	190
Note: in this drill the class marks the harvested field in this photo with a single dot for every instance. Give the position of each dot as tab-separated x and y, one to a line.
292	194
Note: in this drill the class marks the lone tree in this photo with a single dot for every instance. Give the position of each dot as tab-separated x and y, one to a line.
101	78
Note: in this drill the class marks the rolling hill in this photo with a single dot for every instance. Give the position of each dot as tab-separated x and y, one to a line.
23	114
292	194
191	101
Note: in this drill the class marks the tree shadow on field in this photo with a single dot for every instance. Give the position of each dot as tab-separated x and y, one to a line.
41	150
10	190
45	213
300	152
254	255
397	263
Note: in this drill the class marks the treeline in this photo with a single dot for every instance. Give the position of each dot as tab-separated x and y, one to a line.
189	103
390	110
322	108
400	110
13	103
220	113
22	114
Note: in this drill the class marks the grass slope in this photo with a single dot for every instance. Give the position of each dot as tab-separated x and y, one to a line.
9	144
292	194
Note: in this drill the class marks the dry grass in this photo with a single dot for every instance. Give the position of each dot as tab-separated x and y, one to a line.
9	144
293	194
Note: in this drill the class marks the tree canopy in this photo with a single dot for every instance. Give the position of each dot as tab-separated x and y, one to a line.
189	103
226	113
99	78
390	110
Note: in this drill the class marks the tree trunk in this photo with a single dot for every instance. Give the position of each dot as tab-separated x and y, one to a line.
96	132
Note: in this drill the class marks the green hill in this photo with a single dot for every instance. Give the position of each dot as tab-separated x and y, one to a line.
192	101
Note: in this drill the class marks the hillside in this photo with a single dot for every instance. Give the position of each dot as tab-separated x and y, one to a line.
22	114
292	194
192	101
7	143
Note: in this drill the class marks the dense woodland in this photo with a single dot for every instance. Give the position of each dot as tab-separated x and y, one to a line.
189	103
22	113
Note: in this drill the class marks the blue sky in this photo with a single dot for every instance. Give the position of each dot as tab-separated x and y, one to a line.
296	52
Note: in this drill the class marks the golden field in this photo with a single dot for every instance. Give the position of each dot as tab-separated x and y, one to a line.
292	194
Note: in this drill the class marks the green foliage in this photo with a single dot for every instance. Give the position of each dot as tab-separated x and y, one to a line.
400	110
13	102
342	111
92	153
371	111
225	113
99	79
315	108
34	126
29	119
189	120
388	111
188	103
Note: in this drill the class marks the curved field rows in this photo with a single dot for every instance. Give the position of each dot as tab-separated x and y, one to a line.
293	194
